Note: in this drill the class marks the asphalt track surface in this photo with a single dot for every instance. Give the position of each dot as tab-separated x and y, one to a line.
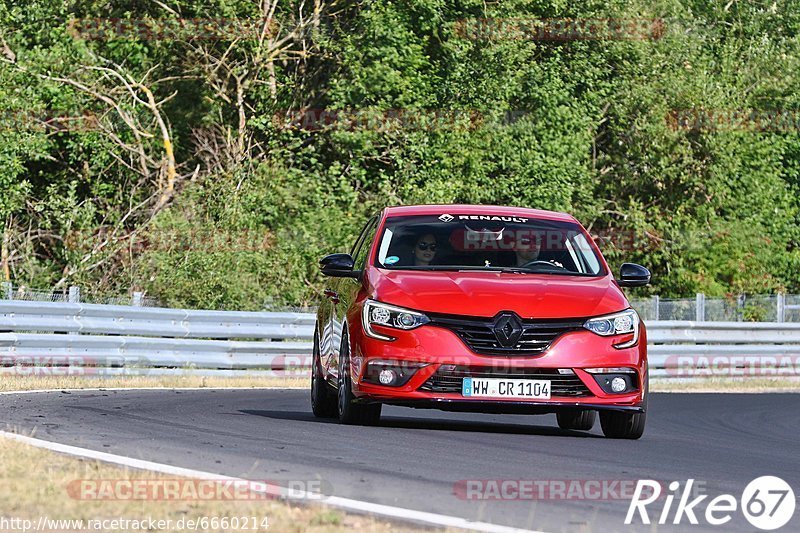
415	458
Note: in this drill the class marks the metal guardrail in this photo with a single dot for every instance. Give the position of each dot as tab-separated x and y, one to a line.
120	339
686	349
46	334
152	321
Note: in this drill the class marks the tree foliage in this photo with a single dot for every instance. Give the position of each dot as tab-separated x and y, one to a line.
214	168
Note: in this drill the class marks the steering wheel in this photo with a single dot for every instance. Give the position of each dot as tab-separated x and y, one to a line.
530	264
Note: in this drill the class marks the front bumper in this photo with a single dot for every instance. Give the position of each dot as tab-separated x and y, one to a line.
532	407
441	348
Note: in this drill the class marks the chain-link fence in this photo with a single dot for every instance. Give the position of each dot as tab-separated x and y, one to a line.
73	294
741	308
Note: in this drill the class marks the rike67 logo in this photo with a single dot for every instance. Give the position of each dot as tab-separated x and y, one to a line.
767	503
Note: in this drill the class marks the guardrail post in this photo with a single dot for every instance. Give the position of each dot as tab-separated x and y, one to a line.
136	301
74	297
74	294
700	307
781	303
655	306
7	290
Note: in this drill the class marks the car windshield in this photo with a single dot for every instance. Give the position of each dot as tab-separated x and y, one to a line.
486	242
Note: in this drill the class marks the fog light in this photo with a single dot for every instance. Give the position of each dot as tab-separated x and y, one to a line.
618	384
390	373
614	382
387	376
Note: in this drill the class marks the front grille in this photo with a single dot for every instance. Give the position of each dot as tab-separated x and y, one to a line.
478	334
449	381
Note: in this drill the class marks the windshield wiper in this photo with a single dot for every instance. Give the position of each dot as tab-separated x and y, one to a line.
550	272
452	268
519	270
512	270
475	268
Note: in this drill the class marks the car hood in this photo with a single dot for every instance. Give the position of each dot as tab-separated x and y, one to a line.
488	293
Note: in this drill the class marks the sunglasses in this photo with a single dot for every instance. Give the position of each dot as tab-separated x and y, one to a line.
427	246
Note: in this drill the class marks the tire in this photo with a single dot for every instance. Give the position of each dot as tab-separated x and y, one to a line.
579	419
323	401
351	412
620	425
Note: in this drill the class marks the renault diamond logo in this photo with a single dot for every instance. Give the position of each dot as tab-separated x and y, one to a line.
507	329
446	218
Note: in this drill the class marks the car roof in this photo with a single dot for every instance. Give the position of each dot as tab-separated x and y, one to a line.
471	209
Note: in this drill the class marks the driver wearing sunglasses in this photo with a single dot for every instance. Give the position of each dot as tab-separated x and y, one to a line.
425	250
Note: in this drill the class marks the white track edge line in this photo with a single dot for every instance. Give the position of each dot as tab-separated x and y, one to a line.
335	501
96	389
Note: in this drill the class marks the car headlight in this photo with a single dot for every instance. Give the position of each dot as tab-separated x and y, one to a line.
381	314
617	324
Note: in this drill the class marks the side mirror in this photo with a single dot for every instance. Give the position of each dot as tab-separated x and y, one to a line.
633	275
338	266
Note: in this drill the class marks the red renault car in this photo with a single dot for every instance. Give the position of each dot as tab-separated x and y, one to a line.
482	309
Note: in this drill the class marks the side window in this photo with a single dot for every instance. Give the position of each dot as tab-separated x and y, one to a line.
363	244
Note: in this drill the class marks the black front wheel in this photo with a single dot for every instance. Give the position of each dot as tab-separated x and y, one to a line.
350	411
617	425
579	419
621	425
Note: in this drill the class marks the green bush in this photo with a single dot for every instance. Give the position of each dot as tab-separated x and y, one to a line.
584	126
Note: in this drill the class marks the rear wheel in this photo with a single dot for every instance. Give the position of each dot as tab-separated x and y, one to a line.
579	419
351	412
323	401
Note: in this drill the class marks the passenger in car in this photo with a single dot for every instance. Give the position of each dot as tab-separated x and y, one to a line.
425	250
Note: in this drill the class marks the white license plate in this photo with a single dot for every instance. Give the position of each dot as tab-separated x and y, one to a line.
505	388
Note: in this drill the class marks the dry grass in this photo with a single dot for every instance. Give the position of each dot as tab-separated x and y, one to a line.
20	383
752	385
33	484
11	382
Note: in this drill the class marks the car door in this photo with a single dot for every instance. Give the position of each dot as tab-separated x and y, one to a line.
343	291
